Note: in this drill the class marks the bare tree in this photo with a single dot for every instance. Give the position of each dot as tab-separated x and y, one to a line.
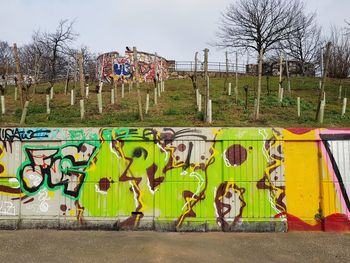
89	61
339	65
6	56
57	46
258	24
304	42
6	62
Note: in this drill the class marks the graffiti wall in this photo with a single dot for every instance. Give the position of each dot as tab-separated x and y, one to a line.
230	179
121	68
104	66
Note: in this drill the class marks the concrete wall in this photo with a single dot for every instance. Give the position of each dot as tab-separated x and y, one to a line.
185	179
120	68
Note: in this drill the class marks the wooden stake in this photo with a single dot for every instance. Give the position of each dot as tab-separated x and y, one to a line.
99	102
326	64
324	97
19	75
236	87
75	77
72	97
199	102
87	88
226	75
229	89
139	102
155	96
324	77
206	93
194	80
281	94
197	97
48	111
161	71
24	112
158	88
236	94
298	105
36	72
340	88
100	87
288	79
257	102
16	93
280	89
321	115
51	93
255	108
209	112
115	92
147	103
82	109
112	96
123	89
3	108
81	75
246	97
195	64
344	107
6	73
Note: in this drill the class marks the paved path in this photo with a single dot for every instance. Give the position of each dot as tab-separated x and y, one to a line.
104	246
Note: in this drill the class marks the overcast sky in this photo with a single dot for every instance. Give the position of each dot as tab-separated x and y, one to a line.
173	28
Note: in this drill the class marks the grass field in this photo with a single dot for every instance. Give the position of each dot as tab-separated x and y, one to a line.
177	106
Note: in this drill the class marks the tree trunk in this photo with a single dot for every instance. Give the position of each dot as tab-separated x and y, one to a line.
67	82
81	75
136	75
324	77
19	75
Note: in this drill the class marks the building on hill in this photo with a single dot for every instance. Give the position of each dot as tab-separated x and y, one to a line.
272	68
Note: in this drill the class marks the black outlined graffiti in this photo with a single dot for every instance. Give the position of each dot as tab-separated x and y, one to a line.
10	135
55	167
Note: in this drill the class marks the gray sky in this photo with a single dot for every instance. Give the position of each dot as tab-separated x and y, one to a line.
173	28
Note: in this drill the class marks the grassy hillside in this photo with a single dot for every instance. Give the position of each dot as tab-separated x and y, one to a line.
177	106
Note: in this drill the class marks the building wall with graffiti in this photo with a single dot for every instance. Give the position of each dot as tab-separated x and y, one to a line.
121	68
198	179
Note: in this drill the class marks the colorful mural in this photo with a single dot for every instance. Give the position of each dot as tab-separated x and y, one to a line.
230	179
111	65
104	65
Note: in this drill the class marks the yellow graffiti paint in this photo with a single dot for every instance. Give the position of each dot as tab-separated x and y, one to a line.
309	195
302	180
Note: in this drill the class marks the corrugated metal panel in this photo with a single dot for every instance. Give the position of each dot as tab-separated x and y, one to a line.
184	178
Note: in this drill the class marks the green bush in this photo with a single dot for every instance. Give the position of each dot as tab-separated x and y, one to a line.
175	97
200	115
170	111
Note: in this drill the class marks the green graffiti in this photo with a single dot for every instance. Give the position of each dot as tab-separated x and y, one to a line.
220	176
56	167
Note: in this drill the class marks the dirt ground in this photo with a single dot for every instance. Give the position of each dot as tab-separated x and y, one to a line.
104	246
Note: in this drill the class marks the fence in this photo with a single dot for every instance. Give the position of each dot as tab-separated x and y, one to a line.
212	67
230	179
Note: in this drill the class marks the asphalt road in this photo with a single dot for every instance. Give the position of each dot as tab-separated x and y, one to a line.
107	246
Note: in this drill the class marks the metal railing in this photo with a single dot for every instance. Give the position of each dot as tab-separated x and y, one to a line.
212	66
